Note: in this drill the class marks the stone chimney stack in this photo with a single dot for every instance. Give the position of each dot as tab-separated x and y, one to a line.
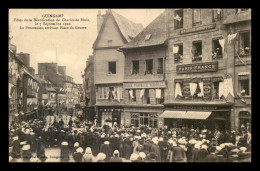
100	19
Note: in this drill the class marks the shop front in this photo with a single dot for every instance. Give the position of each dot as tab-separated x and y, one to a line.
200	116
109	114
143	115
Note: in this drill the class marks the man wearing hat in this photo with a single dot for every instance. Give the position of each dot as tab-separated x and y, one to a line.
77	156
116	157
156	149
163	148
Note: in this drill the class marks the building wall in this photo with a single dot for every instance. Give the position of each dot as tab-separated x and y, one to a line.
143	54
89	80
62	70
25	58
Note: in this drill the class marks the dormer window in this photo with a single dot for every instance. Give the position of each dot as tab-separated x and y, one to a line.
147	37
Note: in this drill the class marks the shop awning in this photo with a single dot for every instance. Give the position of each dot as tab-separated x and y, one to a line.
201	115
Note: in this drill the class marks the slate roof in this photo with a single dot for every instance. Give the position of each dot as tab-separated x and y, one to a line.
127	28
239	17
158	30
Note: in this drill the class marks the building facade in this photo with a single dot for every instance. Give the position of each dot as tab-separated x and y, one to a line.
200	70
113	31
144	75
239	22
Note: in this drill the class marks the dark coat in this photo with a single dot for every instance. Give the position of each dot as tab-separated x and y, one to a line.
195	157
156	149
211	158
116	159
147	147
105	148
178	154
202	154
77	157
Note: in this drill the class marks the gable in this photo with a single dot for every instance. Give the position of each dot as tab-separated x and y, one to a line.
109	32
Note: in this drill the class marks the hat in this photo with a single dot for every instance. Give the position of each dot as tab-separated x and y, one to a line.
23	142
134	157
197	145
160	139
204	147
106	142
79	150
243	149
174	144
218	148
32	133
116	152
192	141
15	138
26	147
101	156
65	143
143	135
142	155
76	144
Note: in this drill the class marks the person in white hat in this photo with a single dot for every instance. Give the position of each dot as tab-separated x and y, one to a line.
101	157
88	156
116	157
134	157
64	153
76	145
106	149
77	156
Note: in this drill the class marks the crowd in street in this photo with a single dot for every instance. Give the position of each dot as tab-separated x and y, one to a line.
85	141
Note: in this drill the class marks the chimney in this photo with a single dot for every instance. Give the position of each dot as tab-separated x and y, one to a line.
100	19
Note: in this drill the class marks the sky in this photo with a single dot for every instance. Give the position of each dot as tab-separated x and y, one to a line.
72	47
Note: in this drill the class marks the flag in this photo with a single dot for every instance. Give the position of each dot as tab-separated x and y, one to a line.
118	93
231	37
201	88
114	95
131	93
175	49
229	86
158	93
193	87
221	89
142	93
178	90
222	44
177	17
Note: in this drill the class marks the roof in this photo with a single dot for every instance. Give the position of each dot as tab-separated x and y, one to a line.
29	74
127	28
239	17
158	30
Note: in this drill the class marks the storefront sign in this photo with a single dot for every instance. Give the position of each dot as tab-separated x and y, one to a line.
200	28
198	67
193	107
160	84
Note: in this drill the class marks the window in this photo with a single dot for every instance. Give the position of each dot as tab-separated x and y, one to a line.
216	49
146	96
215	90
144	119
178	53
147	37
103	92
245	43
135	67
135	119
217	15
160	66
149	66
112	67
197	51
196	13
178	19
239	10
111	94
109	43
132	95
244	85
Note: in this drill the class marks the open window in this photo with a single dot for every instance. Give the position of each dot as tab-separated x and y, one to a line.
160	66
178	53
147	96
149	66
135	67
244	85
178	19
197	51
196	15
216	90
245	47
216	49
217	15
112	67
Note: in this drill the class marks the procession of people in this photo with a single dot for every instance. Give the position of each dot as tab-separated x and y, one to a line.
86	142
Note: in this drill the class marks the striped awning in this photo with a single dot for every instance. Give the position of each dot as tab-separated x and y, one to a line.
201	115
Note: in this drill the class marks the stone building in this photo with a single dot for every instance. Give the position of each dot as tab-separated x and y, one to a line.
89	95
114	30
144	74
200	69
239	22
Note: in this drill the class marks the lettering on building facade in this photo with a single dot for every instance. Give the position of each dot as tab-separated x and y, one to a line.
161	84
197	67
195	29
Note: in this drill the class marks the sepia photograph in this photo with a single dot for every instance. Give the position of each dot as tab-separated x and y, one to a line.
129	85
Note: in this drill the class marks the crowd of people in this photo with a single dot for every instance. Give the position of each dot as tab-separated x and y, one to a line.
86	142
